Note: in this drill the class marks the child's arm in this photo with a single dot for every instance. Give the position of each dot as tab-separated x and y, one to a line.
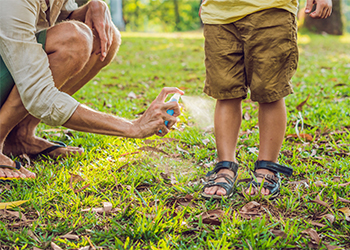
323	8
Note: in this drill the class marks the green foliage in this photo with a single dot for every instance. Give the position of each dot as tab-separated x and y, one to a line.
161	15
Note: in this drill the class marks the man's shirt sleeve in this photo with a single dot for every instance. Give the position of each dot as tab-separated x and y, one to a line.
29	65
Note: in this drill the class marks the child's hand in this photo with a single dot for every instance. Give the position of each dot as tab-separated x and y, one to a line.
323	8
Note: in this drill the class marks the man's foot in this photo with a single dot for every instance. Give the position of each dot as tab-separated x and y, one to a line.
22	173
264	191
32	145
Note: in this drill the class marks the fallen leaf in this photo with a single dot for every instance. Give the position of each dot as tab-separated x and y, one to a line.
107	208
331	247
212	217
346	212
320	184
317	224
336	178
132	95
152	149
299	107
13	215
70	236
279	233
330	218
343	200
12	204
205	141
307	137
32	235
84	248
322	203
250	209
246	116
182	150
315	239
344	184
55	247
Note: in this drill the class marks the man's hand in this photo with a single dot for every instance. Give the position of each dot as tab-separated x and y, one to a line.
152	121
98	17
323	8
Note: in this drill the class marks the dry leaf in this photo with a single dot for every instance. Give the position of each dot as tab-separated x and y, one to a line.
313	235
250	209
299	107
346	212
307	137
246	116
132	95
15	215
205	141
344	184
12	204
279	233
317	224
32	235
70	236
331	247
84	248
343	200
212	217
55	247
336	178
322	203
182	150
107	208
152	149
320	184
330	218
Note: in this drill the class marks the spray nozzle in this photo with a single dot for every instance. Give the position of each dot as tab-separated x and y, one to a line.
174	98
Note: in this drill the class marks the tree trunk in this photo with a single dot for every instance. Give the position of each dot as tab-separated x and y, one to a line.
177	15
332	25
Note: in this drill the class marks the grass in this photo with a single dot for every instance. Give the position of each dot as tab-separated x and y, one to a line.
154	184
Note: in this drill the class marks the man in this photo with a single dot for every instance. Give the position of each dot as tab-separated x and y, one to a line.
44	63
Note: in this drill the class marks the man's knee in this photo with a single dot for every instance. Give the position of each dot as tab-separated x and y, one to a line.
73	40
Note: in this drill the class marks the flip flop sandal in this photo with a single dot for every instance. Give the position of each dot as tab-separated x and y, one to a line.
213	175
45	152
10	179
271	182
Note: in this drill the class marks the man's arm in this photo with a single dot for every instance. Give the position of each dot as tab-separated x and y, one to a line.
97	16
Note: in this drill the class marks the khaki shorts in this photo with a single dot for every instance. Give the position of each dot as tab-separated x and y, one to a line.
258	52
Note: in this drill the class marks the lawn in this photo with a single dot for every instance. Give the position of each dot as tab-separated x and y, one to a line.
145	193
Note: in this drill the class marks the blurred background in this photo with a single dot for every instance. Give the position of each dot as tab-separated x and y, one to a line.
182	15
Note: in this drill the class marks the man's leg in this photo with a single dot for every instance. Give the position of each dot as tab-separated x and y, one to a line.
272	127
228	118
68	78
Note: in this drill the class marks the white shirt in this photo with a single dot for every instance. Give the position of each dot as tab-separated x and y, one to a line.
27	61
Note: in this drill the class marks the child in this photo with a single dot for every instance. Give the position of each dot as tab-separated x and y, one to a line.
251	44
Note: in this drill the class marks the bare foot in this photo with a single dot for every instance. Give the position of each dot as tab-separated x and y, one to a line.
22	173
217	189
17	144
264	191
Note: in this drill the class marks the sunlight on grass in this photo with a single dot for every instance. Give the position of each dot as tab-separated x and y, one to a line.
190	34
303	39
345	38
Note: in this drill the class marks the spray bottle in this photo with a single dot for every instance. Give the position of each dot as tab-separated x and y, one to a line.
174	98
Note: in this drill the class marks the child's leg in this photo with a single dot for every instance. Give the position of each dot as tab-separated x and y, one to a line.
228	118
272	127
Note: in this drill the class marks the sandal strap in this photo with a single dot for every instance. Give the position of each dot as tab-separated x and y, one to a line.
272	187
268	177
227	177
18	166
224	165
274	167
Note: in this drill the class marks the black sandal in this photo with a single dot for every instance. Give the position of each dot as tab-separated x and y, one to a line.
275	179
212	176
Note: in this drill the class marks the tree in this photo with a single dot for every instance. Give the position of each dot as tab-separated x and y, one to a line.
332	25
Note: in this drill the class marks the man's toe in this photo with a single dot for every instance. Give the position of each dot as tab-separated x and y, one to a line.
221	191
